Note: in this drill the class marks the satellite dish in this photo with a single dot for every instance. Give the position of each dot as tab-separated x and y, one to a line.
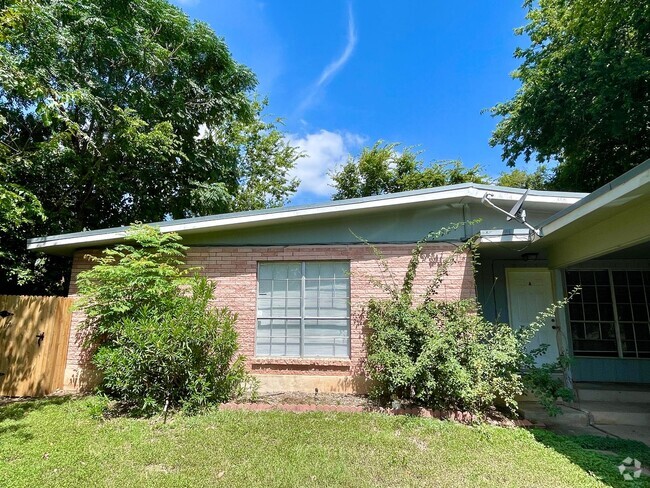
517	210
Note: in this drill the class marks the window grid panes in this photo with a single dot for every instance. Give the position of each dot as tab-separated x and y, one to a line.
632	291
609	301
303	309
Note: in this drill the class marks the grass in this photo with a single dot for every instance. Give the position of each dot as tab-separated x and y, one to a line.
61	442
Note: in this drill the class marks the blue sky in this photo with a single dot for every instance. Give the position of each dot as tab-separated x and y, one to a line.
343	74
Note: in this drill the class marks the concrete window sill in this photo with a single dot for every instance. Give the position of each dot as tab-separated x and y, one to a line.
278	361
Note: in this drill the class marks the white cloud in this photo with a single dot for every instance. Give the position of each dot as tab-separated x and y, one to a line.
335	66
324	151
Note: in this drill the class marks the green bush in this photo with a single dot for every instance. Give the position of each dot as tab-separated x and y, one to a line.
444	354
543	382
152	334
146	271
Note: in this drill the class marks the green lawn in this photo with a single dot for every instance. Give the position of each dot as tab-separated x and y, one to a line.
58	442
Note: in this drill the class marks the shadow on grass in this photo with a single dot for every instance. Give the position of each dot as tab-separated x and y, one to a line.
599	456
16	409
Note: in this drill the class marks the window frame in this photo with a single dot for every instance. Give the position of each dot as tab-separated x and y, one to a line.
303	318
616	319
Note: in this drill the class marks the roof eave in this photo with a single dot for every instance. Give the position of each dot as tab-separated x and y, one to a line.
66	243
617	189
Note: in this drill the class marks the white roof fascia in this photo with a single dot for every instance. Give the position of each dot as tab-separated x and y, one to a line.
501	236
241	220
39	243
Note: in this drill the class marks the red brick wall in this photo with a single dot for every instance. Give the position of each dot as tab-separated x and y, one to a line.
235	272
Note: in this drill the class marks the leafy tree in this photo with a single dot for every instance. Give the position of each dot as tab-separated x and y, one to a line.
150	330
383	168
17	206
264	162
114	111
517	178
584	99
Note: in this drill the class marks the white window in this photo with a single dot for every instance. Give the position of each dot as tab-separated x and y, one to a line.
303	309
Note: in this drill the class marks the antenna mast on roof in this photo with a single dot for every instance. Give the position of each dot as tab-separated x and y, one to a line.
517	212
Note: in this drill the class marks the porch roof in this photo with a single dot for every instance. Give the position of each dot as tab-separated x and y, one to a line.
613	218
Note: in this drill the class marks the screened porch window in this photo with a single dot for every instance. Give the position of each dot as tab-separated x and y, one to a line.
303	309
610	317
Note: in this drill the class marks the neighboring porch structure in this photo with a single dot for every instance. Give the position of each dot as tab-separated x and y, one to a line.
602	244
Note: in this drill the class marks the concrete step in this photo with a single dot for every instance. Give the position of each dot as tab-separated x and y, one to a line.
617	413
607	392
570	417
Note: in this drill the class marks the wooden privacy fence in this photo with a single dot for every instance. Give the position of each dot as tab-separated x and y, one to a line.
33	344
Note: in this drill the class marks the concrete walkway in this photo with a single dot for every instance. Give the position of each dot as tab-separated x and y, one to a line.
630	432
584	420
601	409
633	432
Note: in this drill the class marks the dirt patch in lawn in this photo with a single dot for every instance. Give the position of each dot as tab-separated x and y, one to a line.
301	398
301	401
159	468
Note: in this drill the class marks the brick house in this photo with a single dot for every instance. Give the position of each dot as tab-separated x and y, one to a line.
299	278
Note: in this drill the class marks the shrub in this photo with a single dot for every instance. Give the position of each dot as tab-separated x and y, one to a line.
154	338
184	356
441	355
542	381
445	355
145	271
